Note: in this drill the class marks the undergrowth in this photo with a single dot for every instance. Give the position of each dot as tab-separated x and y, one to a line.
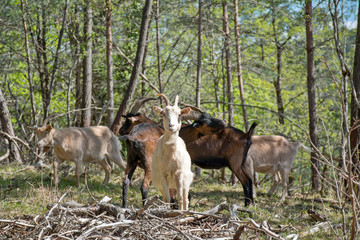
26	190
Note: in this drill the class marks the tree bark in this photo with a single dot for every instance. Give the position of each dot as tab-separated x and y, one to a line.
230	96
158	46
311	84
28	62
109	64
87	77
8	128
228	64
198	70
239	67
199	53
355	118
78	71
277	82
137	68
355	98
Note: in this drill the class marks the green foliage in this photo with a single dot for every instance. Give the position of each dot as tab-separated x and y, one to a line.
178	26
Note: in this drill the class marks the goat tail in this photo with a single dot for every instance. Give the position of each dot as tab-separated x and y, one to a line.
302	146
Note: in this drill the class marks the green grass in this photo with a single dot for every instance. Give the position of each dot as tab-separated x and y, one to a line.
25	190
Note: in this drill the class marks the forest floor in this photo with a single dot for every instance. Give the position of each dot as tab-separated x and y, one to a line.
31	208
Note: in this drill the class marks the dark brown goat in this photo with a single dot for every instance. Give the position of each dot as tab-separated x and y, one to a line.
225	148
141	140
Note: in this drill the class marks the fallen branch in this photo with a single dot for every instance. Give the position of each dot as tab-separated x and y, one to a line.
20	223
105	226
212	211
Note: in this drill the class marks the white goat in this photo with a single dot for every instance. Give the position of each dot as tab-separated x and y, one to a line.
275	155
81	145
171	164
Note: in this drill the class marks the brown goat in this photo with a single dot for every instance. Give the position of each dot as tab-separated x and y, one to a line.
225	148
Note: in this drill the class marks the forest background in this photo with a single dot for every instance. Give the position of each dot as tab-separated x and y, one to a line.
81	63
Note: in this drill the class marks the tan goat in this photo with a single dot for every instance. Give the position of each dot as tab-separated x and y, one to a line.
275	155
81	146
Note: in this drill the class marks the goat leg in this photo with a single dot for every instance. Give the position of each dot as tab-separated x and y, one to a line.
145	185
106	168
128	175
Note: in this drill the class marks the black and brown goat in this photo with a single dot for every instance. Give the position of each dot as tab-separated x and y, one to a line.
141	140
225	148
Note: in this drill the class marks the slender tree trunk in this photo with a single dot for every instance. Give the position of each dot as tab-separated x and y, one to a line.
199	53
355	118
87	77
239	68
198	72
56	59
311	84
137	68
41	56
228	65
109	64
78	70
230	96
75	41
277	82
28	62
7	127
158	46
355	99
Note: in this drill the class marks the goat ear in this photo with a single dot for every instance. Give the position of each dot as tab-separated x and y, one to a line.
185	111
133	119
49	127
157	110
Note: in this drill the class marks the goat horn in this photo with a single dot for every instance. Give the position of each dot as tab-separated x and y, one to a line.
166	99
192	107
193	115
138	103
176	100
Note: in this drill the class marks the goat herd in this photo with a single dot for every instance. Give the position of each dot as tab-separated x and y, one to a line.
166	152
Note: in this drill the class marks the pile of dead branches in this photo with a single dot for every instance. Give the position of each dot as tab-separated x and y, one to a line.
103	220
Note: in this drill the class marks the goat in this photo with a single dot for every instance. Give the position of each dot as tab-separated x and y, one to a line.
141	139
171	164
275	155
81	145
225	148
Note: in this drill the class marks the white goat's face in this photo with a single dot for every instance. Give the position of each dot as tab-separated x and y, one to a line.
171	117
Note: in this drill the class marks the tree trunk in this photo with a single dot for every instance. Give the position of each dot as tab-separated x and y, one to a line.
137	68
87	77
228	74
8	128
198	72
41	56
355	99
78	71
158	46
109	64
315	167
239	68
277	82
228	64
28	62
355	117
